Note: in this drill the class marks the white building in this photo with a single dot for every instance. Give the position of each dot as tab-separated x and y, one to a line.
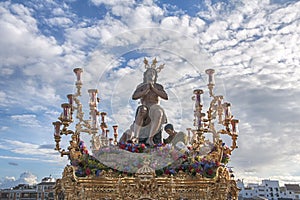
290	191
268	189
45	189
20	192
41	191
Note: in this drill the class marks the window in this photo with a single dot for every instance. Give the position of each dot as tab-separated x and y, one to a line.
4	195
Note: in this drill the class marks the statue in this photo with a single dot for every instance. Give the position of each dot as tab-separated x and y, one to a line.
150	115
173	136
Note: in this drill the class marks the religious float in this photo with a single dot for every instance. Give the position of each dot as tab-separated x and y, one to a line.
139	165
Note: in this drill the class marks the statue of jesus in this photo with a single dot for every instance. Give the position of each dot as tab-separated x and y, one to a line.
150	113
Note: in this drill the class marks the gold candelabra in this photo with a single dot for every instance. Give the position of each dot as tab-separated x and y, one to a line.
90	126
218	111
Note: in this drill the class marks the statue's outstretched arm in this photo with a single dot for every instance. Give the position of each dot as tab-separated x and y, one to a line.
159	90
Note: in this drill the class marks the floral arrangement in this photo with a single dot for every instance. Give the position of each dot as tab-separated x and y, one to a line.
127	158
135	148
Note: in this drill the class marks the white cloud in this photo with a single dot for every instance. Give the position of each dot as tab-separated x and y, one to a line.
2	97
30	151
5	71
113	2
63	22
58	12
21	39
38	108
19	158
25	178
3	128
26	120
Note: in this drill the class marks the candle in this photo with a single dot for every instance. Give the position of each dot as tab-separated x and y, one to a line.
94	117
234	124
199	121
210	73
103	114
78	73
111	141
57	125
220	99
66	114
115	127
70	98
198	97
227	110
71	101
93	97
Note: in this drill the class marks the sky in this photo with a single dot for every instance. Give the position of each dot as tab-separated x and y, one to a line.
254	47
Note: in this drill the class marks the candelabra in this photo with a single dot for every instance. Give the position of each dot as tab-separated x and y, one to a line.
205	122
90	126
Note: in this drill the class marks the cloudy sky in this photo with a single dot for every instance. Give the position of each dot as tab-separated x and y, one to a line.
252	45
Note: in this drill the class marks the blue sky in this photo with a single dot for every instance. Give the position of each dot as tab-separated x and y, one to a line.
253	46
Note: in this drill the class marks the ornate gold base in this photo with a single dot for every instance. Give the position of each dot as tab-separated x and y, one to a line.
144	185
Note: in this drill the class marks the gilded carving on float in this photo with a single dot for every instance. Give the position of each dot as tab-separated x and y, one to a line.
146	168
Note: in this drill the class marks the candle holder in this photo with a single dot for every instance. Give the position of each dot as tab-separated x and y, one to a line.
211	80
103	125
217	112
57	141
111	142
78	73
198	109
71	102
115	127
57	136
66	115
234	124
93	97
90	126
